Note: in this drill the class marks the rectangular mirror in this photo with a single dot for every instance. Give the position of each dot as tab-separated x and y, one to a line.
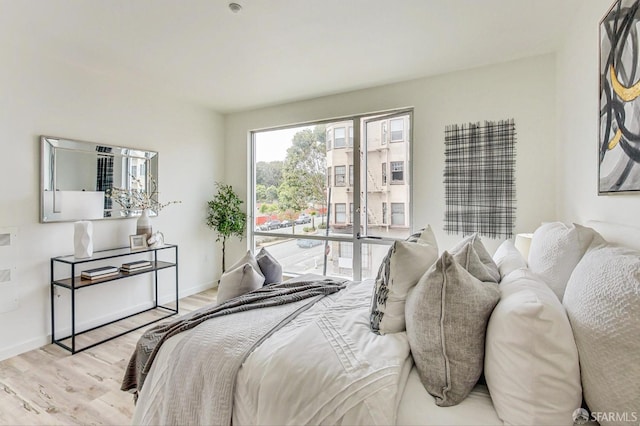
77	177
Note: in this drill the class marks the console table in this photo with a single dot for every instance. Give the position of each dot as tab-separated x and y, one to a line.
73	282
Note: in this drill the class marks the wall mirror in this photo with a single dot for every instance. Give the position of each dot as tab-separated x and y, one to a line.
77	176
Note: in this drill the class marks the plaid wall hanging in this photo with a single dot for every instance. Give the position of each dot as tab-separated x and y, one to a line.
479	178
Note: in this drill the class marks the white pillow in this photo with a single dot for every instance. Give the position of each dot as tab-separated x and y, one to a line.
247	258
556	249
508	258
238	281
603	304
531	361
399	272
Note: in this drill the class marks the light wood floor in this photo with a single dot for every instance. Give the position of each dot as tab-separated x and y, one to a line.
49	386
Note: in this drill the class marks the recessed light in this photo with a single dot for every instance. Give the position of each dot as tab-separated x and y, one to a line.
235	7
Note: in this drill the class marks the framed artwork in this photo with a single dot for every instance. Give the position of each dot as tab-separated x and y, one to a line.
619	119
138	242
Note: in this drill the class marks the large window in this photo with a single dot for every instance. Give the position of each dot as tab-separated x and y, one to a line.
303	206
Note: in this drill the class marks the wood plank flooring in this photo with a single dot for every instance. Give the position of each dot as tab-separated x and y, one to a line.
49	386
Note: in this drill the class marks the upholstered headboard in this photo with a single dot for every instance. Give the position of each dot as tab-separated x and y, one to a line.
614	233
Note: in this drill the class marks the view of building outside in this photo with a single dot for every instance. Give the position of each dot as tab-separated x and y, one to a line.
304	191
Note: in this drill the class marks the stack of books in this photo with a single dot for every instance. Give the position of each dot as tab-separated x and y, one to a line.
97	273
138	265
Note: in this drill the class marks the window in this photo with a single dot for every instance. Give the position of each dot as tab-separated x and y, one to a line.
397	130
328	177
350	212
328	140
350	140
351	175
384	213
341	213
338	137
397	171
384	174
397	213
340	177
345	250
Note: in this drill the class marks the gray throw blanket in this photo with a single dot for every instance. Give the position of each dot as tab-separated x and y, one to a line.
269	296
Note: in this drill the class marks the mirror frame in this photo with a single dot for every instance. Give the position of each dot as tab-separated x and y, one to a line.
51	147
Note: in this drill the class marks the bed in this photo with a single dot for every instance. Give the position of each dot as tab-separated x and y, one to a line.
324	365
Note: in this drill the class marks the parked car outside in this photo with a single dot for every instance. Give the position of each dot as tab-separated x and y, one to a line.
308	243
273	224
303	218
286	224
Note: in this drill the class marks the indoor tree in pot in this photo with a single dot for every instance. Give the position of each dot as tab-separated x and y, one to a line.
225	216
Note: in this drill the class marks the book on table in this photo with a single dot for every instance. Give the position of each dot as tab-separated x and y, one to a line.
99	272
136	266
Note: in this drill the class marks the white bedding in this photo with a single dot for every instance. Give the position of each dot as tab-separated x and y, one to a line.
327	367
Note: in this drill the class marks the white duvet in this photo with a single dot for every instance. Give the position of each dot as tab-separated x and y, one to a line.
325	367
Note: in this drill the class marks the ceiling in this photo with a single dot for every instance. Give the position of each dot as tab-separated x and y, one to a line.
277	51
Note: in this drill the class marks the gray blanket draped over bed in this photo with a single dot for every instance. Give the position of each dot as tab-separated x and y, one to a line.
284	300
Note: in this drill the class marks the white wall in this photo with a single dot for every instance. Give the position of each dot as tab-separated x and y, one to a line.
578	100
524	90
42	95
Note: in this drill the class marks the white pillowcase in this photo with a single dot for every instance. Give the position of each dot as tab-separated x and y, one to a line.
399	272
247	258
531	361
556	249
603	304
508	258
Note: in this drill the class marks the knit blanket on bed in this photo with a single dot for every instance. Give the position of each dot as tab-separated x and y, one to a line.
286	300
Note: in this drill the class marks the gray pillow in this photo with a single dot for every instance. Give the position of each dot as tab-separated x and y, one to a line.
270	267
469	259
481	251
446	315
238	281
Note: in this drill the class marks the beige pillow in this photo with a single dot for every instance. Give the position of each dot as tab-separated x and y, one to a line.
531	361
238	281
447	314
482	253
468	258
400	270
247	258
603	304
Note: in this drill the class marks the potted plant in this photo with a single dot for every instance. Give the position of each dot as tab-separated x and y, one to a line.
225	216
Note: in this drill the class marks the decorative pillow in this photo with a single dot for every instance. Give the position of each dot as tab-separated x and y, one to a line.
468	258
531	361
400	270
269	266
556	249
447	314
238	281
247	258
603	303
508	258
424	236
481	251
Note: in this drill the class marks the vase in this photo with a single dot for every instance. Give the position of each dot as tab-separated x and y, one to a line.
83	239
143	225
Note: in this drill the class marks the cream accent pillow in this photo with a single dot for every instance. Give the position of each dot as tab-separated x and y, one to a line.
556	248
603	304
238	281
400	270
508	258
447	314
247	258
531	361
481	251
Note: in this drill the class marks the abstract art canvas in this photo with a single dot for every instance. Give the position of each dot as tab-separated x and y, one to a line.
619	133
